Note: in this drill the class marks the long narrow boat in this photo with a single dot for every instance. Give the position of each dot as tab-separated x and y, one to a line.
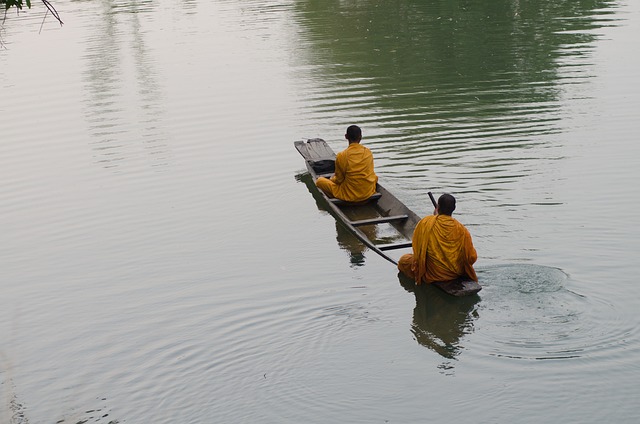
383	223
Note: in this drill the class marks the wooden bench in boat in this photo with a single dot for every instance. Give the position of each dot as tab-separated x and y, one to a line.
374	198
379	220
393	246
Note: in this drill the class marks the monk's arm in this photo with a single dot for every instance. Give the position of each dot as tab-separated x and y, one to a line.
472	255
338	176
416	239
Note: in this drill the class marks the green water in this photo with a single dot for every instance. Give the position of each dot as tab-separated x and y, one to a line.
164	261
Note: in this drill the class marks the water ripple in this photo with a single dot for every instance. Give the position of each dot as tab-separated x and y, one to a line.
529	313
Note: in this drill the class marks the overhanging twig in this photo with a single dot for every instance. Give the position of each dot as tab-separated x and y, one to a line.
53	11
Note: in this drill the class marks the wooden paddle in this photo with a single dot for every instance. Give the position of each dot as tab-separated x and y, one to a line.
435	205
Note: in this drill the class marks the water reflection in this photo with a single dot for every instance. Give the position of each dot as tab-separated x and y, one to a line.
440	321
346	239
124	116
507	51
350	243
473	87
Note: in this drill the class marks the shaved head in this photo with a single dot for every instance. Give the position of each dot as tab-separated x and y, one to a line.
446	204
354	133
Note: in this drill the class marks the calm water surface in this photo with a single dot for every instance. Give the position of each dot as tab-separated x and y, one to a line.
163	261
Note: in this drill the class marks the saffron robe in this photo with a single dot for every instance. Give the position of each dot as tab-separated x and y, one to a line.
442	251
354	179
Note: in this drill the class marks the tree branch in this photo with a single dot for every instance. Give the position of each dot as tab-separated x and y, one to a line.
53	11
18	4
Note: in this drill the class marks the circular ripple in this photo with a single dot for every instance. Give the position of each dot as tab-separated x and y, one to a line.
528	313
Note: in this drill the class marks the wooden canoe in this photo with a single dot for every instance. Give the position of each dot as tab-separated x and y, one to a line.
365	219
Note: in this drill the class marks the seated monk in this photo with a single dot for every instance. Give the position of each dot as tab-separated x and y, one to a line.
354	179
442	247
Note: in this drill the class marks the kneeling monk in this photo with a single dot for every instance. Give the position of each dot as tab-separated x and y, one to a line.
354	179
442	247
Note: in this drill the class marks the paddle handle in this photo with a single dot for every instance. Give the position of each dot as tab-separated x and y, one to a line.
435	205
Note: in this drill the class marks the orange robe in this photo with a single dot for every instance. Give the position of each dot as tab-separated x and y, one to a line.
354	179
442	251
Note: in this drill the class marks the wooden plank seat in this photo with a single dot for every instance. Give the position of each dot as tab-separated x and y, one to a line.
379	220
374	197
392	246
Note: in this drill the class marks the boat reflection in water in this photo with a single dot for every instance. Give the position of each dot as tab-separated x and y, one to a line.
347	241
440	321
351	244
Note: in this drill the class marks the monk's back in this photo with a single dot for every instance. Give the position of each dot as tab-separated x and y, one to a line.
354	179
442	247
448	249
359	181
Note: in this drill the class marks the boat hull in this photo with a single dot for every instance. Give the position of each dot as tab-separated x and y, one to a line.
381	209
